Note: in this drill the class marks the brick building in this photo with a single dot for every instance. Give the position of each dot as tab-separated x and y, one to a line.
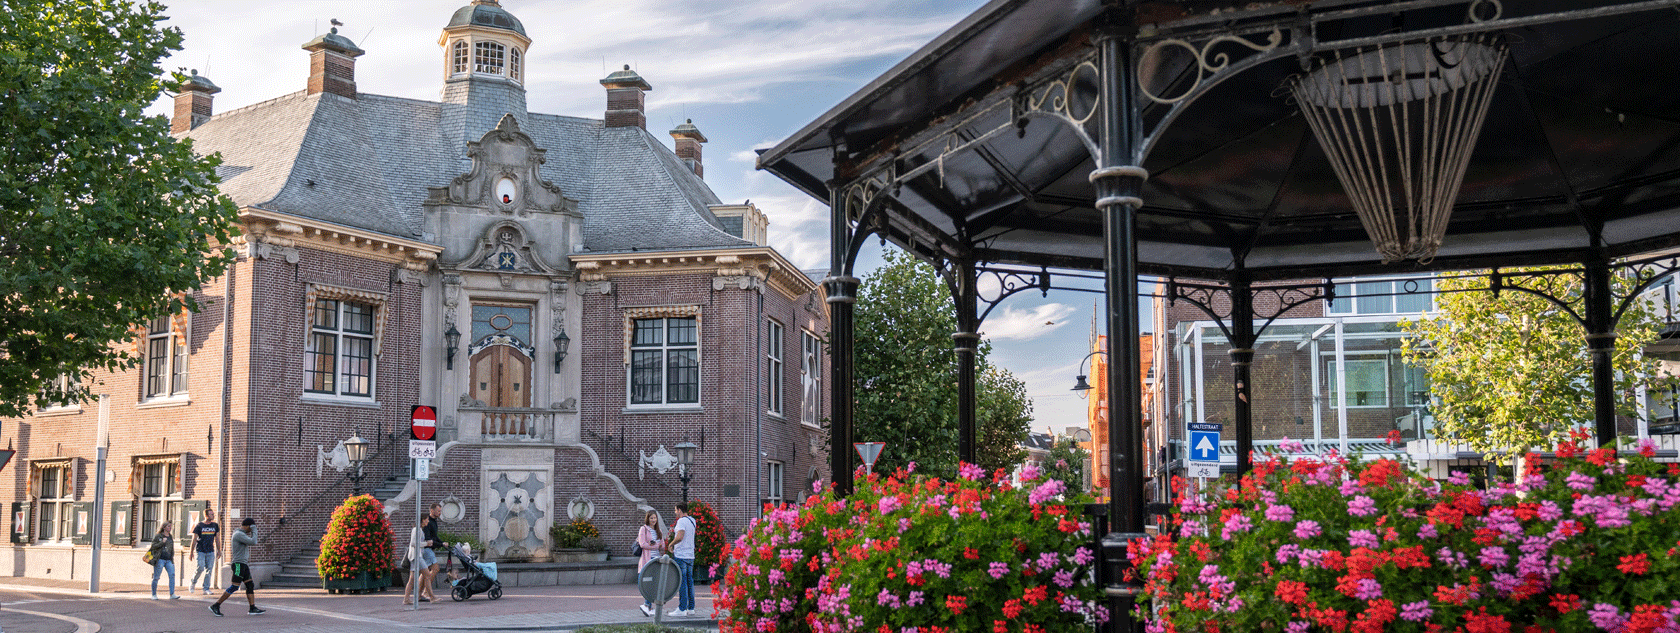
566	292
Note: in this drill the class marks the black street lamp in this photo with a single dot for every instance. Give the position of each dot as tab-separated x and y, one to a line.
685	458
356	448
1080	384
561	342
451	341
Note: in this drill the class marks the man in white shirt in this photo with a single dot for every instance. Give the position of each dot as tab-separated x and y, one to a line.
681	547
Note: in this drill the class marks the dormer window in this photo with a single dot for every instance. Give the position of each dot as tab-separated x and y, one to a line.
458	58
513	64
488	58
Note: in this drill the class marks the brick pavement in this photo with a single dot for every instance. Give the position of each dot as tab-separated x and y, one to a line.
315	611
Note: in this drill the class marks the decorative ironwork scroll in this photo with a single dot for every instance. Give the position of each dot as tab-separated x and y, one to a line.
1211	67
1215	300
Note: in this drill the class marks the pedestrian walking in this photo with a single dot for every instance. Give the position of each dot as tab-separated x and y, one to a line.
682	551
205	549
240	557
162	554
428	558
651	538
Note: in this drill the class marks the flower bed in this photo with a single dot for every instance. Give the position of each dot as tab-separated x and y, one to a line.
1585	542
917	554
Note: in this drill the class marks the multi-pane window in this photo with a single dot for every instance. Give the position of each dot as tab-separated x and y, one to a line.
811	377
488	58
339	355
160	496
1383	296
53	502
665	361
1663	403
773	475
513	64
1367	380
773	368
458	58
56	394
166	358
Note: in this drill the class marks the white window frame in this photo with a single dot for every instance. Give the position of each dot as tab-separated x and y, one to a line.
167	500
513	69
810	382
775	391
1332	384
664	350
460	58
490	58
1348	301
63	504
168	333
775	473
64	383
340	363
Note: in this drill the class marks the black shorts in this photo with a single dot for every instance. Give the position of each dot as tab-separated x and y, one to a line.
241	573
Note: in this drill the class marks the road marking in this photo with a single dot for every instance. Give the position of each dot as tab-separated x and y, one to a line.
82	626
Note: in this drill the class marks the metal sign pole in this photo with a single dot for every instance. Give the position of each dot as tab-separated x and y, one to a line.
419	511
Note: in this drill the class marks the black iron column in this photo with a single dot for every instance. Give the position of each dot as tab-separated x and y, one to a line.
842	294
967	341
1118	183
1242	360
1601	343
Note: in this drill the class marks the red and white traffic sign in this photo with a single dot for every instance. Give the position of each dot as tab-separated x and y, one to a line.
424	423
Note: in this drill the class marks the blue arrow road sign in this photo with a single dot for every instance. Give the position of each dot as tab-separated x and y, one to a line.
1204	441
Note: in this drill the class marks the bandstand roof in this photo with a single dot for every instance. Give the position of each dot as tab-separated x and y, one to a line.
1579	157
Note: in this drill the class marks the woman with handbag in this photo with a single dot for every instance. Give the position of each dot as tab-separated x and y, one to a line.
162	557
650	539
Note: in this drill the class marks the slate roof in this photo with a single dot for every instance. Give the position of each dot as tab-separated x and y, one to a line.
366	163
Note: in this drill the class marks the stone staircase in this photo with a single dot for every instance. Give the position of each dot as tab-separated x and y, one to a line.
300	570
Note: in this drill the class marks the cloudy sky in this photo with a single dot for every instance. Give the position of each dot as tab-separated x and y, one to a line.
748	72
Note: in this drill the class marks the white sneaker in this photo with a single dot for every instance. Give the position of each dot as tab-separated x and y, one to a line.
646	610
675	613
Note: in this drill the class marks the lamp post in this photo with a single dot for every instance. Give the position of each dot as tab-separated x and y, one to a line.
685	458
1080	384
356	448
561	342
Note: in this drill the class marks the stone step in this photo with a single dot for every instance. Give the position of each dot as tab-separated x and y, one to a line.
290	580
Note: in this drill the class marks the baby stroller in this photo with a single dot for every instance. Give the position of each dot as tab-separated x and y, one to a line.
474	578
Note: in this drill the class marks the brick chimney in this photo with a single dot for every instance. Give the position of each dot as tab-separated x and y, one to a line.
688	140
192	104
626	99
332	64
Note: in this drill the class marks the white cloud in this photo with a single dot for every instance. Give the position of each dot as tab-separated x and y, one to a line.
1018	324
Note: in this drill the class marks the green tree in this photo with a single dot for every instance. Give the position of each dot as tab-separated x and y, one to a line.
1512	372
1004	416
1068	462
105	220
906	376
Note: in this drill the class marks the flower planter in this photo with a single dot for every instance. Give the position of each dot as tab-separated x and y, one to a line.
578	555
361	582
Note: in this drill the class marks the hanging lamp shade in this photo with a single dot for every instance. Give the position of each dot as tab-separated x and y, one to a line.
1398	122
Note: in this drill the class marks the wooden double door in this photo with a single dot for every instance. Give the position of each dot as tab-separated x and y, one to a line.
501	377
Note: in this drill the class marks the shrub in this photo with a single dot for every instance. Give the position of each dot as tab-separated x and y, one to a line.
1584	541
592	543
358	540
471	540
918	553
568	535
709	539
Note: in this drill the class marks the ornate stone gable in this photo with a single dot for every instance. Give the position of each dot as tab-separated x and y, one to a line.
505	177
